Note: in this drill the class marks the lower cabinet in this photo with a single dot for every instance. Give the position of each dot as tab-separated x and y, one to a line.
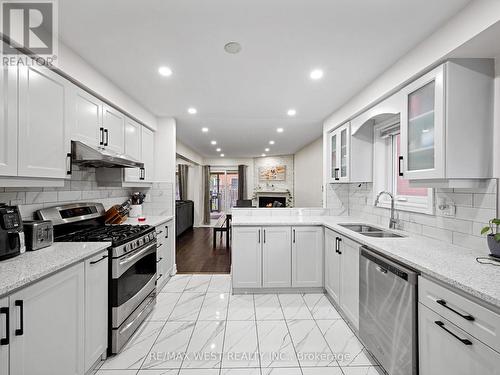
4	336
47	326
96	308
276	257
247	257
165	254
332	265
307	257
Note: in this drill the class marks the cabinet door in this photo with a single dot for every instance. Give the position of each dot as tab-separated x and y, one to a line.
8	121
43	136
344	143
133	136
51	316
307	256
332	265
114	129
87	121
4	336
247	257
442	351
148	147
334	160
276	257
349	282
96	308
422	127
170	241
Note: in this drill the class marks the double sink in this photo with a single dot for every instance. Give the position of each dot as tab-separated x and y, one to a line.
369	231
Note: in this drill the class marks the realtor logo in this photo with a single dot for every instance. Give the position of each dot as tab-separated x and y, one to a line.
30	26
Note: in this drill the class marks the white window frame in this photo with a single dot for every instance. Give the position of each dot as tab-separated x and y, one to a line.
385	169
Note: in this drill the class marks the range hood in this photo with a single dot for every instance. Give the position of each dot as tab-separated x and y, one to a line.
88	156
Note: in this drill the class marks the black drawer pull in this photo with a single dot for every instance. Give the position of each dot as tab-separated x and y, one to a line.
158	233
464	341
159	277
101	140
97	261
5	340
400	167
166	228
106	133
468	317
159	245
159	260
20	304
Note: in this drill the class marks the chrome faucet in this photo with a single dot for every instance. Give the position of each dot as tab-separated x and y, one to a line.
392	221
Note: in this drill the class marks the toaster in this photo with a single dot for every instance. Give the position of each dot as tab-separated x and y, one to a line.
38	234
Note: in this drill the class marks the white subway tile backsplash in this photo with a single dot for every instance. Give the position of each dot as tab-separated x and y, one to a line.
41	197
437	233
485	201
69	196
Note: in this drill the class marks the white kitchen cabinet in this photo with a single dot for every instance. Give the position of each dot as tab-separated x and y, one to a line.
148	147
349	279
247	257
332	265
43	143
96	308
8	121
4	336
86	118
446	349
113	123
47	325
165	254
307	256
445	114
276	257
349	150
133	148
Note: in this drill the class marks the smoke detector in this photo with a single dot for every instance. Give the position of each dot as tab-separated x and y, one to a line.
232	47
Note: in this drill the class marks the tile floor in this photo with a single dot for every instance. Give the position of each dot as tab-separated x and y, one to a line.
199	328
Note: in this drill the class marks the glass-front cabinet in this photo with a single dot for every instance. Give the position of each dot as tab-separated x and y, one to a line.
339	154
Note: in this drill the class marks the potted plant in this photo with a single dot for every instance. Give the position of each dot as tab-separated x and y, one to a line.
493	237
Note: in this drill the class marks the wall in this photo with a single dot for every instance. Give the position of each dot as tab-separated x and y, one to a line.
308	179
270	161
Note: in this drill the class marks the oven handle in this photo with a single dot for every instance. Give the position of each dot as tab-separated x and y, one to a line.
123	264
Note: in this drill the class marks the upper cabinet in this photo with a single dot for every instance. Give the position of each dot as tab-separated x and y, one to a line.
113	123
447	122
8	122
148	147
87	118
139	145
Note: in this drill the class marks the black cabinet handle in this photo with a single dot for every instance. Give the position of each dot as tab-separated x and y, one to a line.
159	245
339	240
166	235
101	137
464	341
400	166
20	304
142	174
264	236
159	277
97	261
69	169
259	237
5	340
159	260
337	174
468	317
106	132
158	233
294	236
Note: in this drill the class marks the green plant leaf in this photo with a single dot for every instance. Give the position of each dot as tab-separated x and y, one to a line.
484	230
497	237
496	221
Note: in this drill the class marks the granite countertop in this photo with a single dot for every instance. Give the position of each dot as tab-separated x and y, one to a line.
453	265
18	272
150	220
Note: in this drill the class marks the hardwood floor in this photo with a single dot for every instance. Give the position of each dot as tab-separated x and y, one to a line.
194	253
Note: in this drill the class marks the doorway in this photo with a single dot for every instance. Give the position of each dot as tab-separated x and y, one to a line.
223	192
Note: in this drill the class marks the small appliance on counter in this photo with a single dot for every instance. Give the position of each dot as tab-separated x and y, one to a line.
11	232
38	234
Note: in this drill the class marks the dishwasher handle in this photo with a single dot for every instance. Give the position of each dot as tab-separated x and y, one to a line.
386	265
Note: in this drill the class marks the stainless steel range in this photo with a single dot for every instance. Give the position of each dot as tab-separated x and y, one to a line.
132	265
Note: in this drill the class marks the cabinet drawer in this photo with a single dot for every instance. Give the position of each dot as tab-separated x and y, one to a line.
473	318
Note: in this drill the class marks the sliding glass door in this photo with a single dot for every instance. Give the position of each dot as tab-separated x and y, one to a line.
223	190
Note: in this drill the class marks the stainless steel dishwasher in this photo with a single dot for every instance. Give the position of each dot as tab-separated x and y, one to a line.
388	312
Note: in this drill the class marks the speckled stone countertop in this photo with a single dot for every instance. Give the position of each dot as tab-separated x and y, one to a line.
150	220
27	268
453	265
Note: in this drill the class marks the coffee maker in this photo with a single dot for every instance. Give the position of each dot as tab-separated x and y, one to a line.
11	232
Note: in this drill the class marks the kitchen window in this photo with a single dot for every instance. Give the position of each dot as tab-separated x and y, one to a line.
386	172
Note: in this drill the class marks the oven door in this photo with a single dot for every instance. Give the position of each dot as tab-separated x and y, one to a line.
133	278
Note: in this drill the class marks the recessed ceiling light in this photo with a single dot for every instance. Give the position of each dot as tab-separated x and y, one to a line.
213	143
291	112
271	142
280	130
316	74
165	71
221	155
218	149
266	150
263	155
232	47
204	130
192	111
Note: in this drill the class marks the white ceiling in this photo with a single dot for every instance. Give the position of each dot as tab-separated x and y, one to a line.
243	98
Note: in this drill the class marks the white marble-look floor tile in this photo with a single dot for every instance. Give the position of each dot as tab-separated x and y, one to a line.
198	284
205	346
177	283
362	370
294	306
199	372
282	371
214	306
117	372
170	347
220	284
343	342
267	307
241	307
320	307
310	345
165	303
188	307
135	351
321	371
240	345
275	345
158	372
240	371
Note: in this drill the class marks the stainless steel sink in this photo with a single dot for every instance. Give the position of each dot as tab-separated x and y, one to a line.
370	231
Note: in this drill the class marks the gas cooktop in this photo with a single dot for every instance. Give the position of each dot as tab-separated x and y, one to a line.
117	234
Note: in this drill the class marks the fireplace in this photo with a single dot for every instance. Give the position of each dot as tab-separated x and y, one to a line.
269	201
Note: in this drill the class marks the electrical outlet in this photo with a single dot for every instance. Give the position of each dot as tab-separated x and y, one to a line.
446	208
